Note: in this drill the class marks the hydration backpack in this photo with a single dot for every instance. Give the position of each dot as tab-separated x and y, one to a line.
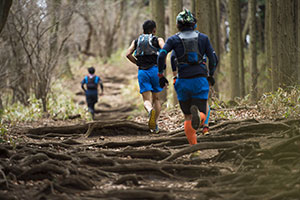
191	54
145	46
92	82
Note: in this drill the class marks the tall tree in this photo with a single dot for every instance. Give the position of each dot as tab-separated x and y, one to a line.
4	10
253	53
193	10
234	42
298	38
287	45
176	7
241	52
267	44
158	15
273	44
67	13
157	8
207	15
202	9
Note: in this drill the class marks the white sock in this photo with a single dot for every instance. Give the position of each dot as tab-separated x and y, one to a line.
148	106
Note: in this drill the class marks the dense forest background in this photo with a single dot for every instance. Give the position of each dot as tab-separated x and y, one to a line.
257	41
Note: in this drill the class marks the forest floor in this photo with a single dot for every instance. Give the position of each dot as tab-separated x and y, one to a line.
116	159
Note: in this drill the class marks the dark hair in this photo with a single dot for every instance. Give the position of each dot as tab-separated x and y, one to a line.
149	26
182	26
91	70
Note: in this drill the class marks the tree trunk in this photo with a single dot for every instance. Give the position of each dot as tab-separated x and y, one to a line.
55	8
176	7
218	48
241	52
298	38
158	15
114	31
267	45
4	10
66	20
287	51
253	53
1	104
193	9
274	45
234	11
203	8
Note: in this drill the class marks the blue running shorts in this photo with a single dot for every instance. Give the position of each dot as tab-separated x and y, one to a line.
192	88
148	80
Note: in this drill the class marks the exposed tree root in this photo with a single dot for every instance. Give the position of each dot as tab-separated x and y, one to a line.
199	146
138	194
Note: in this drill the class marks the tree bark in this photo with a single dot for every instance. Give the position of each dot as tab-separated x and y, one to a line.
202	8
158	15
176	7
253	53
287	51
267	44
4	10
115	29
66	20
274	45
234	11
241	53
298	38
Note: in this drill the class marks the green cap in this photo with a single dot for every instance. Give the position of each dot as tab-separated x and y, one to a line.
185	17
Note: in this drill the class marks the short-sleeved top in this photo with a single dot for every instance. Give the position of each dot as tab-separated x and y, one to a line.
96	81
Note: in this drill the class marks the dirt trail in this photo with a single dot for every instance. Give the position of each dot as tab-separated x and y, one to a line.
118	159
112	105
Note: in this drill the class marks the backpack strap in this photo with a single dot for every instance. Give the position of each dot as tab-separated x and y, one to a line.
96	79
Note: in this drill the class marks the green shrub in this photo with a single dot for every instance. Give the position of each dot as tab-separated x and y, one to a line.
60	106
281	103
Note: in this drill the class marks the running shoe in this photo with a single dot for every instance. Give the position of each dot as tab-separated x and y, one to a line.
195	117
156	129
205	131
152	122
195	154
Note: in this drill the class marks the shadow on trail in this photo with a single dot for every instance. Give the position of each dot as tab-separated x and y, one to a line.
121	160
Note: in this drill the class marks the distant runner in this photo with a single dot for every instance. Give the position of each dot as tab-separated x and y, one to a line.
146	49
91	81
191	85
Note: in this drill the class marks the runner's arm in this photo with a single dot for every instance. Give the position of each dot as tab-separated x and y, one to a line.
129	53
101	85
213	59
82	85
161	59
161	43
174	61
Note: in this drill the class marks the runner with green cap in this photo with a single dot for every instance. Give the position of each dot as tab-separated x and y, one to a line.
192	81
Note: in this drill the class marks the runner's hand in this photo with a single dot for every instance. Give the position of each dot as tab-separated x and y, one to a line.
163	82
174	80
